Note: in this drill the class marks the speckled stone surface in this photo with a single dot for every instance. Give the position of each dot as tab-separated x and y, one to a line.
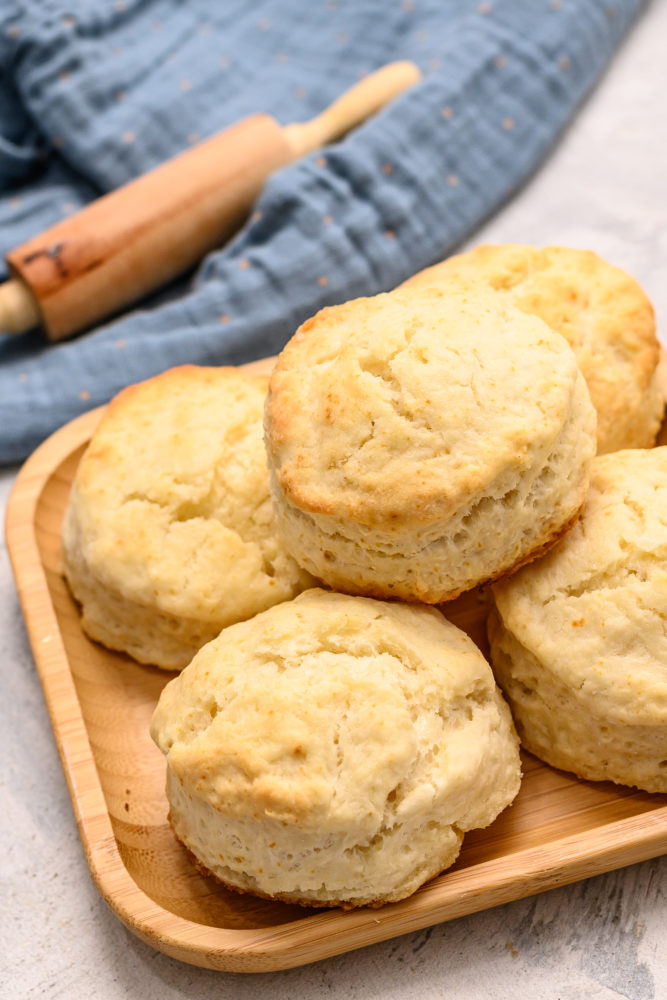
603	188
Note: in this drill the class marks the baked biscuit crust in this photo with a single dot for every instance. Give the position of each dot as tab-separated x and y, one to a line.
169	533
425	441
602	312
578	639
334	750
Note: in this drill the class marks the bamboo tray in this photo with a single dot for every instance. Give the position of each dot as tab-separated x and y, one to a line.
558	830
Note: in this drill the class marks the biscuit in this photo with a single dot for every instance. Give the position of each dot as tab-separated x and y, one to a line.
334	750
169	531
578	639
422	442
602	312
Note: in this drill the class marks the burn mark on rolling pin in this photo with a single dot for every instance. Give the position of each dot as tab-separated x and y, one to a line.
92	265
53	253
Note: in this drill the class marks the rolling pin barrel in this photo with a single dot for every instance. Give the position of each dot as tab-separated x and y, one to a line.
138	237
131	241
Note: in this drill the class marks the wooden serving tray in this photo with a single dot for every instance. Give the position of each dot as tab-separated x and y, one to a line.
558	830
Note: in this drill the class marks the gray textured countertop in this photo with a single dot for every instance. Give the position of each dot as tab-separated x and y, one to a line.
602	188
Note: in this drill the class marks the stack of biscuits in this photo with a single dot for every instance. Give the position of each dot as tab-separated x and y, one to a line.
291	547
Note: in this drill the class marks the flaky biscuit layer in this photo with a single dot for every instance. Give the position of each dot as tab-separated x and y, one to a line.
424	441
579	639
335	749
169	533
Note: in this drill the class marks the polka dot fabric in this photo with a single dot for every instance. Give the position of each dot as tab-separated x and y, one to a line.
93	93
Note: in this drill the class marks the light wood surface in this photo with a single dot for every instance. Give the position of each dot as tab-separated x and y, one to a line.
135	239
558	830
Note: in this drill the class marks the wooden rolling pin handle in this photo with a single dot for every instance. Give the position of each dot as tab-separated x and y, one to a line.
355	106
129	242
19	309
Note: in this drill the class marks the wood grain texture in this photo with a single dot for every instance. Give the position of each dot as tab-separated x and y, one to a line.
558	830
134	239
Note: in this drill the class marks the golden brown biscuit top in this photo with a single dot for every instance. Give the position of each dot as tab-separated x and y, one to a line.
321	710
603	313
406	406
576	292
171	499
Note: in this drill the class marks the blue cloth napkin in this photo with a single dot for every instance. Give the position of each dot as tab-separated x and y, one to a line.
95	92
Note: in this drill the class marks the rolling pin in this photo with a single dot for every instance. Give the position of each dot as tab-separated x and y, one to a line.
138	237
